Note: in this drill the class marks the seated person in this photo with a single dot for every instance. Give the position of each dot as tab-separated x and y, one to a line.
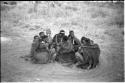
75	41
66	46
44	42
88	54
66	53
48	33
35	45
54	45
87	42
58	39
38	56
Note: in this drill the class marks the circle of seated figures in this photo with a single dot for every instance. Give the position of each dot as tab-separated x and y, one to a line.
65	49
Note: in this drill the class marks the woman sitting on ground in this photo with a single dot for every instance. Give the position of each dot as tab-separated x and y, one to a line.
35	45
66	46
88	54
66	53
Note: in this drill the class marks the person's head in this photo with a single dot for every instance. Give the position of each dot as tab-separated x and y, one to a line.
62	32
36	37
84	40
71	33
87	41
91	42
65	38
41	34
48	32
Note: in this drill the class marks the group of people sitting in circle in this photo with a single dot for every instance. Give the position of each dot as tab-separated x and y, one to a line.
65	49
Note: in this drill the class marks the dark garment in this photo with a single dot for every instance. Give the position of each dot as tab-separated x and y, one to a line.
86	41
90	55
39	55
57	40
44	39
66	57
34	49
66	47
42	57
75	42
66	53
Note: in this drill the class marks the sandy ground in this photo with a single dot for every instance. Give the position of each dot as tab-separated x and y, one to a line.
14	68
16	39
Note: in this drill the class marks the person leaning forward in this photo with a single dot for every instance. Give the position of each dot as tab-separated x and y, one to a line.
88	53
66	46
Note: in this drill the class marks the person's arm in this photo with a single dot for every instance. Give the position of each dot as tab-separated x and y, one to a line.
90	46
68	47
47	40
63	48
77	41
50	39
54	39
34	46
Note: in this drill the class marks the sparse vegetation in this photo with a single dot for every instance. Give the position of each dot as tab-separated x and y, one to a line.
103	22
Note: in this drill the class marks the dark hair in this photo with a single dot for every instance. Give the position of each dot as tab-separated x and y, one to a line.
83	38
65	38
35	36
71	31
87	40
62	31
41	33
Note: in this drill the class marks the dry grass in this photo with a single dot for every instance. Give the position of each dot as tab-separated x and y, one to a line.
101	22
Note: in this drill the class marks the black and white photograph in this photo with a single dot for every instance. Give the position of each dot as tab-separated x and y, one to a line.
62	41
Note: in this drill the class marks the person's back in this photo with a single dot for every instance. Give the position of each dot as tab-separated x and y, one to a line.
90	52
66	53
66	47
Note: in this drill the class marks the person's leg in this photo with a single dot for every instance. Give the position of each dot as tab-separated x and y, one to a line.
90	60
53	54
79	56
96	61
33	51
54	57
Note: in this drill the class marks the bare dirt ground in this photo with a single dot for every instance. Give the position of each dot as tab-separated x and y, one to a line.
96	23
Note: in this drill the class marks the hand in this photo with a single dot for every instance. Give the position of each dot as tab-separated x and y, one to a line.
79	47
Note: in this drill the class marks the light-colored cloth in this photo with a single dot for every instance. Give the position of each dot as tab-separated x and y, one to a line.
77	54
